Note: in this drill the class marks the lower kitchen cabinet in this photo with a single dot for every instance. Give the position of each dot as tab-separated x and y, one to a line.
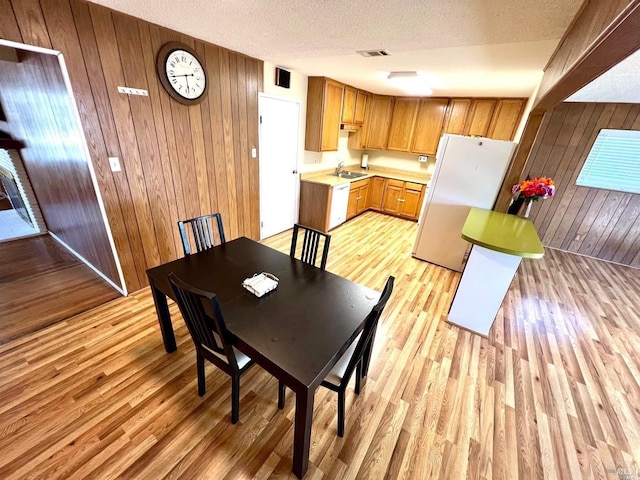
358	198
411	200
403	198
376	193
395	197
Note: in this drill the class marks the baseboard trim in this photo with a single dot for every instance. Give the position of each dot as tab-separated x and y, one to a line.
88	264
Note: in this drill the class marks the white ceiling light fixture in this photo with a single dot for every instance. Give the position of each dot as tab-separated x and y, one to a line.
410	82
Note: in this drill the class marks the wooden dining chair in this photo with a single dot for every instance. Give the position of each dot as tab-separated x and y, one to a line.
356	358
310	244
204	320
202	231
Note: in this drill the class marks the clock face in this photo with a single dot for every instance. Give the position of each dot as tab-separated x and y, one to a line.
185	74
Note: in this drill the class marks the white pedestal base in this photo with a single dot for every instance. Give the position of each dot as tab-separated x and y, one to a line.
484	283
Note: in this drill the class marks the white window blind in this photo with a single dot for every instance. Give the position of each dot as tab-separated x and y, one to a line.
613	162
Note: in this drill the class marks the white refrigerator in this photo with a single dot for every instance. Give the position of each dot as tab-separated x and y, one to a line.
468	173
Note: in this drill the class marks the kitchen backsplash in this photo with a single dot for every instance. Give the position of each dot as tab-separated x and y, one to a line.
317	161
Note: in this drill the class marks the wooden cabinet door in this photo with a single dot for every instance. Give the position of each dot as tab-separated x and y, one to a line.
361	105
363	199
352	206
376	193
348	104
331	115
411	200
456	117
358	140
506	118
392	196
381	108
403	119
428	127
480	117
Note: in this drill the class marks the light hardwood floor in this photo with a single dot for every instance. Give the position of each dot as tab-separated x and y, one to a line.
42	283
552	393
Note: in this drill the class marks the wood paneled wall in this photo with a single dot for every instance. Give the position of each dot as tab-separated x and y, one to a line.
607	222
178	161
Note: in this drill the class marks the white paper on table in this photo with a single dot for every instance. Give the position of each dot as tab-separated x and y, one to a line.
261	283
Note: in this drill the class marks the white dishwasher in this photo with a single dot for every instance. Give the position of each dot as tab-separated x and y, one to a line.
339	203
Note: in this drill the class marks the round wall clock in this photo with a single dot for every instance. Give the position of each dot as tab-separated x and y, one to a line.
181	73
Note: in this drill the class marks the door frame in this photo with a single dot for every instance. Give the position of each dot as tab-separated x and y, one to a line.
260	164
122	288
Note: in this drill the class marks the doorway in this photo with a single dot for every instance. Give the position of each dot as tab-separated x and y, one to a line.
279	179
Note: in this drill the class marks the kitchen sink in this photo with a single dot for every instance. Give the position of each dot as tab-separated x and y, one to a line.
347	174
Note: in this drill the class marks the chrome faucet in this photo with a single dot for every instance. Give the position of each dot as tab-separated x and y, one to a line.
339	168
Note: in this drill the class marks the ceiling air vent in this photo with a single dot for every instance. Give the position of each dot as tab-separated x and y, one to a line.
373	53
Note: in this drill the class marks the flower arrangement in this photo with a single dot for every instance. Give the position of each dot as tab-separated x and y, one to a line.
529	191
540	187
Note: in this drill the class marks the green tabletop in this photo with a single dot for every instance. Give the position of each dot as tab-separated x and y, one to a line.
503	233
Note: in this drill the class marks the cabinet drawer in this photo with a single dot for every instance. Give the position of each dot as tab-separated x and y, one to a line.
395	183
359	183
414	186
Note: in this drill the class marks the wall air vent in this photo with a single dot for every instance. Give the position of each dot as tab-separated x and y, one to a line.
373	53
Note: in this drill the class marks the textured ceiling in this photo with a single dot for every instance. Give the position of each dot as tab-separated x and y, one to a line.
464	45
618	85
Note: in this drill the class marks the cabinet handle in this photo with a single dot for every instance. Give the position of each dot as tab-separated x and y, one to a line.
401	199
358	198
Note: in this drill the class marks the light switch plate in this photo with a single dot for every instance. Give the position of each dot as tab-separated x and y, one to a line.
423	158
114	163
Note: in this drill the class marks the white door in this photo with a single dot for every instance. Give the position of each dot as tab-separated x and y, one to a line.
279	133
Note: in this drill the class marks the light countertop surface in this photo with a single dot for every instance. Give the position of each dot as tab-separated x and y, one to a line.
326	178
503	233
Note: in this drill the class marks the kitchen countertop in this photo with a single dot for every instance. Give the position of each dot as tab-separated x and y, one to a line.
503	233
326	178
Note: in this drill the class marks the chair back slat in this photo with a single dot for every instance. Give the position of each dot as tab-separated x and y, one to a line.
201	312
365	343
202	232
311	241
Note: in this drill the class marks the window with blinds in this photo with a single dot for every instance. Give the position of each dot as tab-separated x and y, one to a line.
613	162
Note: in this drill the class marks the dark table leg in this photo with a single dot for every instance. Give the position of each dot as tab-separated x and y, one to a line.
302	432
164	318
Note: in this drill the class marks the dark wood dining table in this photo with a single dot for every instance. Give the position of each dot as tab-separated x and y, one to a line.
297	332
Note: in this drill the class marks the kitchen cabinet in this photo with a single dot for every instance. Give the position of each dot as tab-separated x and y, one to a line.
403	198
403	119
358	140
379	121
349	105
361	105
480	116
324	112
428	125
358	198
411	200
315	205
506	118
456	116
376	193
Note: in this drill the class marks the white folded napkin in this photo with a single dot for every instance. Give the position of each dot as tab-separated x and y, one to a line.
261	283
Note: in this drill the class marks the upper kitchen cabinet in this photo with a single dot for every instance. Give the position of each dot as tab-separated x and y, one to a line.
403	120
361	105
379	122
349	105
506	118
428	125
480	117
456	117
324	112
358	140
